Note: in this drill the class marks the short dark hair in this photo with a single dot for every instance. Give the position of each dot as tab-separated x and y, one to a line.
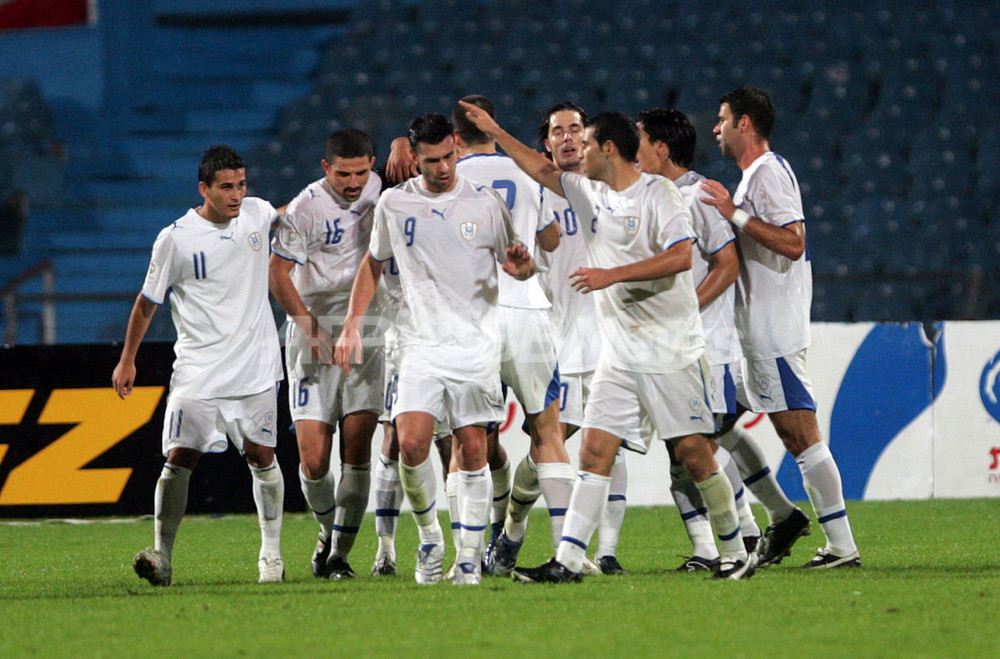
467	130
543	126
349	143
620	130
754	103
673	128
215	159
429	128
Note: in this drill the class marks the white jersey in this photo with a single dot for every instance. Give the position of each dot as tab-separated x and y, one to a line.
646	326
326	236
523	198
216	276
446	247
722	344
773	293
574	316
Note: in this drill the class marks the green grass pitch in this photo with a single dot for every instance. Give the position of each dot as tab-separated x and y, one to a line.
930	587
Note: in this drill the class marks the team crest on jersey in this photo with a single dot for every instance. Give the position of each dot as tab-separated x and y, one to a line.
764	385
470	230
152	273
631	225
255	241
695	404
291	236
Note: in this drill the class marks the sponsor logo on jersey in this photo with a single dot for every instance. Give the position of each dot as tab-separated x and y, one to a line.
631	225
255	241
470	230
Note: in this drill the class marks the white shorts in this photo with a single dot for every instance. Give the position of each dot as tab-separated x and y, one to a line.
204	424
722	388
573	393
391	371
323	393
529	366
671	404
454	403
776	385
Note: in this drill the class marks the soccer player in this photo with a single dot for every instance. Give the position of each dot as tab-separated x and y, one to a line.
212	263
574	320
773	322
319	243
528	364
667	148
444	234
639	240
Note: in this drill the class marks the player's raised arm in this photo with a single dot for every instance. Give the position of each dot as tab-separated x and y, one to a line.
349	345
532	162
138	322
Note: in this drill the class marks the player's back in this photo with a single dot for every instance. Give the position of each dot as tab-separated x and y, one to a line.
524	200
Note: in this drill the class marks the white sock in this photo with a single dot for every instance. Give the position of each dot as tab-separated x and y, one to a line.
610	527
169	504
718	496
821	478
388	498
454	510
321	497
269	495
756	474
420	485
475	494
352	500
556	482
523	494
501	496
590	494
693	512
748	525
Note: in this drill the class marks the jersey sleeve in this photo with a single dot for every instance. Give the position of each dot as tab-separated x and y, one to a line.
379	244
775	195
545	214
673	218
505	234
291	237
576	192
712	230
164	268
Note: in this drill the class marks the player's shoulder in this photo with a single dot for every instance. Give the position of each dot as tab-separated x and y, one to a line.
770	168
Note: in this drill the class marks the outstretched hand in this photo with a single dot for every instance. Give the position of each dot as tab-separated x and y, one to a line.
586	280
719	197
481	119
519	263
401	165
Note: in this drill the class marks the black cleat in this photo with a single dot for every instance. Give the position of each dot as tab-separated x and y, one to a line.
320	555
501	555
551	572
338	568
736	570
610	565
751	542
824	559
779	538
699	564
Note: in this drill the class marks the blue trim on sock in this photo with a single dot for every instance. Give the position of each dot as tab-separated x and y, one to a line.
466	527
386	512
325	512
502	496
832	516
753	478
527	502
739	494
346	529
427	509
557	512
697	512
731	535
574	541
616	497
